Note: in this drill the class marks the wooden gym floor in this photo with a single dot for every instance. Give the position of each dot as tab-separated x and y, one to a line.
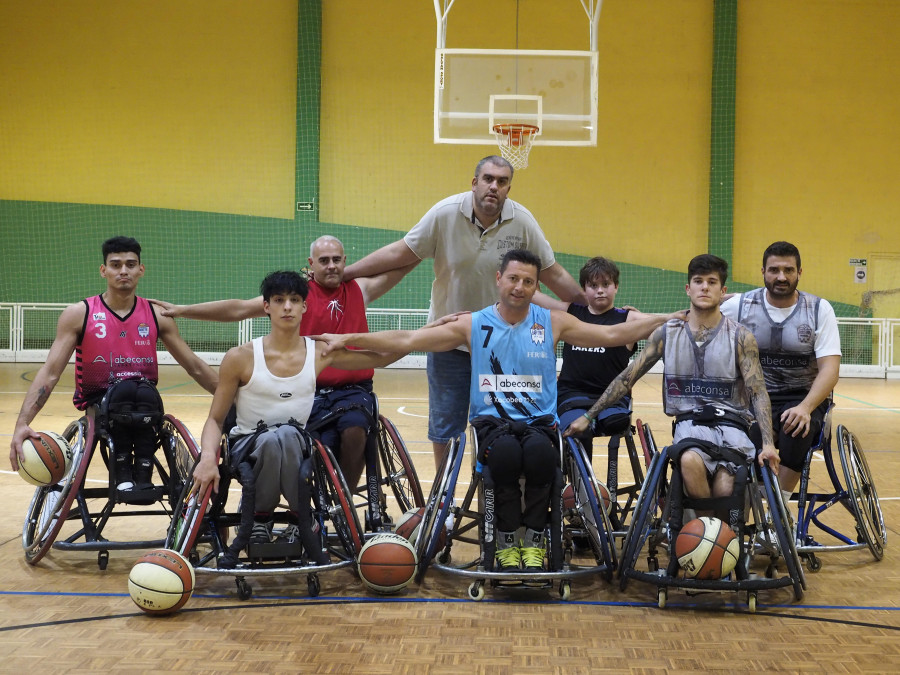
66	615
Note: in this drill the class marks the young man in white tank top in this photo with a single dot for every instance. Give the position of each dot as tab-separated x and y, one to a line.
272	381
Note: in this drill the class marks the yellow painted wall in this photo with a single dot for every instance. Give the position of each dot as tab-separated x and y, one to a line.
818	138
640	196
170	104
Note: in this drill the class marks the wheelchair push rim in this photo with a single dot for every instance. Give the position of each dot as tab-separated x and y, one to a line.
49	507
863	497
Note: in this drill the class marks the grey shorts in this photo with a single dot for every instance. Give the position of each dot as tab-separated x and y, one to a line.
723	436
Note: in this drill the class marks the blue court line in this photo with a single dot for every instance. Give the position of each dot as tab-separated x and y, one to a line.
369	600
246	605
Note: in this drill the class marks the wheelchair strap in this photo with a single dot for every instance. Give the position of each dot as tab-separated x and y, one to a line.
489	428
715	452
579	402
313	426
242	470
712	416
118	407
240	457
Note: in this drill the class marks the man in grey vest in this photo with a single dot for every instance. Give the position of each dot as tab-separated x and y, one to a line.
711	379
800	352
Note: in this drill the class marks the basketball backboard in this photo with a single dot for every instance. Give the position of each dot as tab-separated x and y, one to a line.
556	90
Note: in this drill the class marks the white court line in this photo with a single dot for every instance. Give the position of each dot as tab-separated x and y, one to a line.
402	411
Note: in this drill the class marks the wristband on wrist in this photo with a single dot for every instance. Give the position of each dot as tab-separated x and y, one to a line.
588	417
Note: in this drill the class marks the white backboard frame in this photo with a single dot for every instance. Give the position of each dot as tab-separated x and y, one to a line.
563	122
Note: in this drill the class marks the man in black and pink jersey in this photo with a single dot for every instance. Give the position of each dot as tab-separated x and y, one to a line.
114	338
333	306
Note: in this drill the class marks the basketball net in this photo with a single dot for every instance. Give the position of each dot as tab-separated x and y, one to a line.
515	142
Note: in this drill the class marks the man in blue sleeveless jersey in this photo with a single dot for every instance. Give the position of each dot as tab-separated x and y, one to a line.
513	356
711	378
800	352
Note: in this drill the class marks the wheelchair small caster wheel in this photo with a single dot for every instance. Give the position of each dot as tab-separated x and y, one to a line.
312	585
193	557
103	559
476	590
813	564
653	564
661	596
245	591
565	590
751	602
770	571
444	557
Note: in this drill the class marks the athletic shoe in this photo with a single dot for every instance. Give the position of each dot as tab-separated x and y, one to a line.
261	533
143	473
509	559
290	534
532	550
124	479
532	558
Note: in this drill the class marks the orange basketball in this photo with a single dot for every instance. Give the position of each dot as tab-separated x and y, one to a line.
409	524
161	581
387	563
568	496
706	548
47	461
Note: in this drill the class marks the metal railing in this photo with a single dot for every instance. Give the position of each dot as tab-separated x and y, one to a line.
27	330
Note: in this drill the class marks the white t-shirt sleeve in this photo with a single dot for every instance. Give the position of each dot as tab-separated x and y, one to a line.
730	307
828	339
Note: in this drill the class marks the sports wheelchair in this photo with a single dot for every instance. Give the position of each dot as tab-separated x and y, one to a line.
616	424
857	495
473	523
71	500
756	512
328	534
388	465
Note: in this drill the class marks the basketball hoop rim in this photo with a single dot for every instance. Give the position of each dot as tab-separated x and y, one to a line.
507	128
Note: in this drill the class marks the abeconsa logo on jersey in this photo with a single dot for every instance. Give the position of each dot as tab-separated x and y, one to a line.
493	382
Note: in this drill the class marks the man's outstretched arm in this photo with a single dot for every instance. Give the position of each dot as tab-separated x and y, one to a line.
391	257
216	310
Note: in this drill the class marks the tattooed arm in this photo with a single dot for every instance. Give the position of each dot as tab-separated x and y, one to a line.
623	383
68	329
751	370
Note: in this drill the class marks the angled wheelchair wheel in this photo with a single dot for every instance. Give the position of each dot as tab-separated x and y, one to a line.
438	506
188	523
50	506
784	531
398	467
648	444
646	519
335	499
182	451
863	497
593	516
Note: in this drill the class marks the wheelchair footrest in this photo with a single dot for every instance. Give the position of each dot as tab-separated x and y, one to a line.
754	583
143	497
276	550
